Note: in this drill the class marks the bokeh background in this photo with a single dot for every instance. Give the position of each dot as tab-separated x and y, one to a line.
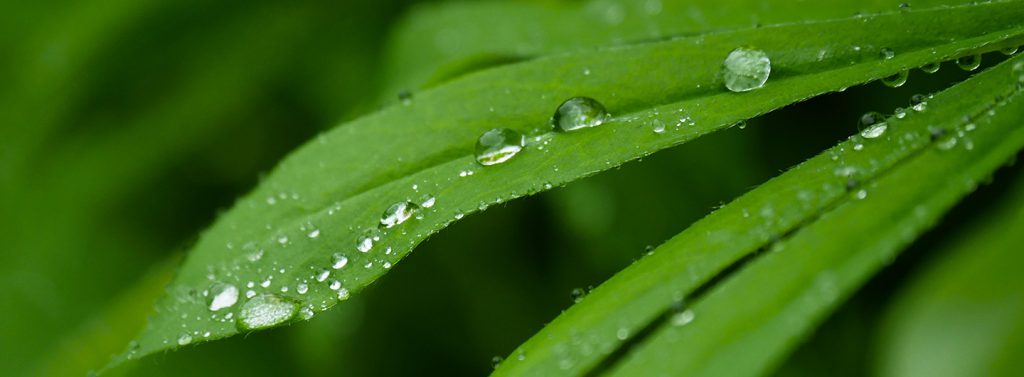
126	126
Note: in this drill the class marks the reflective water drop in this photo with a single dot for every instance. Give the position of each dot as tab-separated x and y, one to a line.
578	112
746	69
306	313
870	119
338	260
874	130
302	288
322	275
249	294
343	294
918	102
283	240
335	285
947	144
931	67
314	233
682	318
398	213
1008	51
405	97
496	361
622	333
969	63
222	296
887	53
365	242
498	145
897	80
577	294
265	311
659	126
861	194
427	201
184	339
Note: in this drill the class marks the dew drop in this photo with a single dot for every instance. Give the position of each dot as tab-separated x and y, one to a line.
659	126
306	313
265	311
249	294
498	145
578	294
184	339
222	296
887	53
682	318
874	130
931	67
302	288
398	213
918	102
335	285
343	294
746	69
365	242
1009	51
578	112
947	144
314	233
338	260
969	63
622	333
322	275
896	80
427	201
870	119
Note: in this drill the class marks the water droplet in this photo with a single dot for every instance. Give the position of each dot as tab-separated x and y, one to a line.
283	240
931	67
222	296
496	361
622	333
969	63
887	53
405	97
249	294
904	6
577	294
659	126
427	201
322	275
184	339
314	233
874	130
335	285
861	194
746	69
498	145
918	102
896	80
365	242
398	213
682	318
1009	51
265	311
338	260
578	112
947	144
306	313
343	294
302	288
870	119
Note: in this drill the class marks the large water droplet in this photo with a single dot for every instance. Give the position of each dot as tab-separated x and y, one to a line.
578	112
265	311
398	213
498	145
222	296
874	131
931	67
969	63
746	69
870	119
338	260
896	80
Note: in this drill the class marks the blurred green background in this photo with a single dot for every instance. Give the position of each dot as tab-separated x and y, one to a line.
128	125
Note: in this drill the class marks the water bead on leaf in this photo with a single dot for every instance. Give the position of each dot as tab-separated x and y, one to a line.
746	69
498	145
931	67
223	296
398	213
577	113
969	63
265	311
887	53
897	80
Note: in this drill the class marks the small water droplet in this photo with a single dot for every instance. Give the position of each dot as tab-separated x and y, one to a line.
918	102
343	294
222	296
578	112
283	240
904	6
1009	51
746	69
427	201
622	333
302	288
683	318
887	53
335	285
365	242
896	80
306	313
577	294
398	213
249	294
314	233
861	194
184	339
874	130
322	275
870	119
969	63
338	260
405	97
931	67
496	361
265	311
659	126
498	145
947	144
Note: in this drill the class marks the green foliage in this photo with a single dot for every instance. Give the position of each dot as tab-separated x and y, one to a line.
735	293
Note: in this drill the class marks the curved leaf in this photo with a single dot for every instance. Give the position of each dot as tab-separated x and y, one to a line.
322	198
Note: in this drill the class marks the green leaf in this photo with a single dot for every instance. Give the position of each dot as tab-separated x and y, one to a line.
964	314
822	229
441	41
322	198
